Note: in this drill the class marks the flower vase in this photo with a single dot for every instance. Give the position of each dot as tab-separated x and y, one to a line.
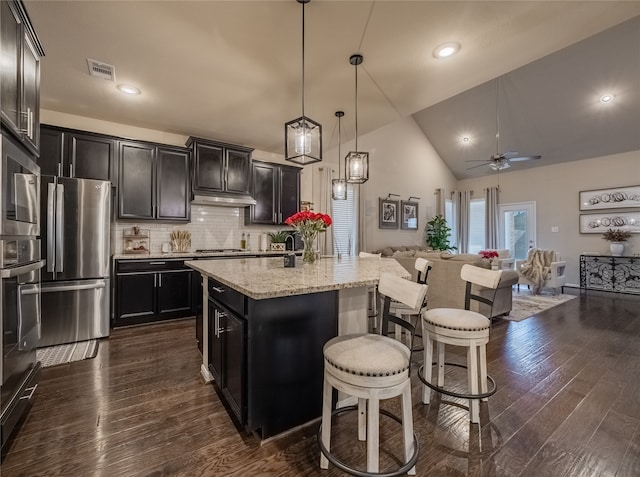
616	248
308	252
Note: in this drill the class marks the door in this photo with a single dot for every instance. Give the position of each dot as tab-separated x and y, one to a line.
518	228
232	328
215	342
289	193
173	184
90	157
264	192
135	298
82	228
30	94
174	292
137	186
51	151
10	71
238	171
208	168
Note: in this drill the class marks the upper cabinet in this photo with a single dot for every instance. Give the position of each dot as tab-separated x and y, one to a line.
276	189
219	168
20	75
154	182
71	153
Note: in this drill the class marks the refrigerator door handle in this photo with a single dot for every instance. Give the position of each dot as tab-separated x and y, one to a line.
67	288
51	222
59	227
14	272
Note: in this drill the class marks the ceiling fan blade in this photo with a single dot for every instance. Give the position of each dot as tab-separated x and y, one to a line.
524	158
479	160
479	165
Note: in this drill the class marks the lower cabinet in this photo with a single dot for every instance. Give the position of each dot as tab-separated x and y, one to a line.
227	356
152	290
266	355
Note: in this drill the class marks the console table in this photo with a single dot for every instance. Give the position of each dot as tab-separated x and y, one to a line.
608	273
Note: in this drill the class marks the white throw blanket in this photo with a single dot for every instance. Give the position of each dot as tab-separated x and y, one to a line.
537	267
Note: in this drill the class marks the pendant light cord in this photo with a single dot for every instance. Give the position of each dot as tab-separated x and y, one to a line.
339	153
356	107
497	117
303	64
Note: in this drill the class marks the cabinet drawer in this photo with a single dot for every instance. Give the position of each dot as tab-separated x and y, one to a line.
150	265
226	295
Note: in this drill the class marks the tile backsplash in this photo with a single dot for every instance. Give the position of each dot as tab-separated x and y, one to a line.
210	227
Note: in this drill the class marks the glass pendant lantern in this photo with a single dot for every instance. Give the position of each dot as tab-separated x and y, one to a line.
356	162
339	185
303	135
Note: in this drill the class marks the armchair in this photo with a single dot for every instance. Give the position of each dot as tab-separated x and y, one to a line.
505	262
541	269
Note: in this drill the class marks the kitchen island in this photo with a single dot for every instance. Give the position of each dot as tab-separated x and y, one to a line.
265	326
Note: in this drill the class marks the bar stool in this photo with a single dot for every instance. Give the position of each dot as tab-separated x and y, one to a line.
423	266
373	293
461	328
372	367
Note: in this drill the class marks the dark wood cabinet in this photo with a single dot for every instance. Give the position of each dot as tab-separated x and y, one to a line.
71	153
276	189
227	353
220	168
154	182
20	52
152	290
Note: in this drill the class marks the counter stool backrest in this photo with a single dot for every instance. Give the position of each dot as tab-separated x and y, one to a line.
481	277
423	266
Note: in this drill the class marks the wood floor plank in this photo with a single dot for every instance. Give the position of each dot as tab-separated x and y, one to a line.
566	405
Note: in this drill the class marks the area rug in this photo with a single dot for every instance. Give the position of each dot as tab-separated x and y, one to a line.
526	305
67	353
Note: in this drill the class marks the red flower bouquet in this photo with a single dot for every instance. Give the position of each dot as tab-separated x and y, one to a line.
308	224
488	254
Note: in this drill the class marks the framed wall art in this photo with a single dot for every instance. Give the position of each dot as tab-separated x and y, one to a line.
599	223
388	214
409	212
614	198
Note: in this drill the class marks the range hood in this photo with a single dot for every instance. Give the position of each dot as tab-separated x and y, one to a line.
224	201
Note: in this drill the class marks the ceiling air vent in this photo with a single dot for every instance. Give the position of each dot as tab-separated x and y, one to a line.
101	70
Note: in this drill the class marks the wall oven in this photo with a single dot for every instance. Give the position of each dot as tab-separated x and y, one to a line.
19	191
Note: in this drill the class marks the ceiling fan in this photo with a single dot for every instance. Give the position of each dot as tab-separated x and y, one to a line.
500	161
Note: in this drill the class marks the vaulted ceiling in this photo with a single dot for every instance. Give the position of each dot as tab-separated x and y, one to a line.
231	70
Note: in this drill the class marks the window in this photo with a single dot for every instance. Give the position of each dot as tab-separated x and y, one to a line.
477	225
345	223
450	218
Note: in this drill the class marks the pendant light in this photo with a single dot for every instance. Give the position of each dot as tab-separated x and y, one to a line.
339	186
356	162
303	136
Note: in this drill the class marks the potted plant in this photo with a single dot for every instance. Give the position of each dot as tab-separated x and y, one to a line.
438	234
278	240
617	238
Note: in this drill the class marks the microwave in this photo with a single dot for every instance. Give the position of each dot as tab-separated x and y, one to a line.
19	191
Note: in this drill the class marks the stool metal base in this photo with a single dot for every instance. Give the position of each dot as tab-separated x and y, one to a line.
360	473
442	390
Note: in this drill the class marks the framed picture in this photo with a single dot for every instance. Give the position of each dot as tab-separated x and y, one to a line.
614	198
388	214
599	223
409	215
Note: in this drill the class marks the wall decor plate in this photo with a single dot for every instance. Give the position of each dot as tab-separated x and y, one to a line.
613	198
599	223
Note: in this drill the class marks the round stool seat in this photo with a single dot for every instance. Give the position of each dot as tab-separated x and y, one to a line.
454	321
367	360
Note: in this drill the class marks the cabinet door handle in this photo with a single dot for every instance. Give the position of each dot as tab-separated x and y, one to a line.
155	281
59	169
71	171
30	390
218	289
156	263
160	281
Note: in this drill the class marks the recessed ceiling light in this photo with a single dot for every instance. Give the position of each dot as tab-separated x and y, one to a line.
446	49
128	89
607	98
466	139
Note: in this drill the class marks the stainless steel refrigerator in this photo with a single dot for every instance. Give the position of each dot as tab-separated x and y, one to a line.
75	238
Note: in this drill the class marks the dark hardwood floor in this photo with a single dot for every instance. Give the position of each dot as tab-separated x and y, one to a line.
568	404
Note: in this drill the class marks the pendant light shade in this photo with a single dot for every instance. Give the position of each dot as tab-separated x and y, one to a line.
356	162
339	185
303	136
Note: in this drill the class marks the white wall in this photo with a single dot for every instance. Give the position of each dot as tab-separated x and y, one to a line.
555	190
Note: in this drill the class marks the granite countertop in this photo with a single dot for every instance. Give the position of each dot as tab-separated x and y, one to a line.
156	255
262	278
